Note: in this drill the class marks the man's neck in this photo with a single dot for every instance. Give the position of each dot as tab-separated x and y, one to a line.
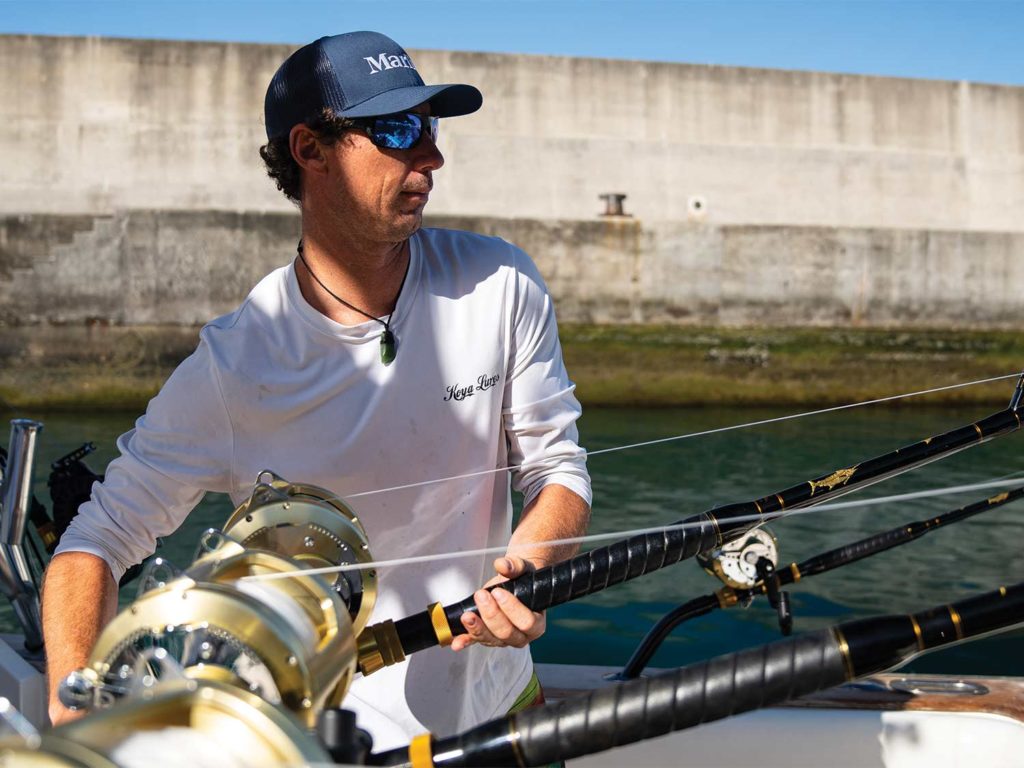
366	275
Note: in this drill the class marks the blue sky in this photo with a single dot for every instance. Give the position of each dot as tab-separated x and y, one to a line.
979	40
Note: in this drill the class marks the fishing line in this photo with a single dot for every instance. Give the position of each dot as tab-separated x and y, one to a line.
616	535
702	433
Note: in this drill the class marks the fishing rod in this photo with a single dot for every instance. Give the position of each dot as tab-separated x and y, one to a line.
389	642
711	690
771	579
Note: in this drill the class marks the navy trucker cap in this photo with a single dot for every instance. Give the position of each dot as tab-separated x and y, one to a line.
358	74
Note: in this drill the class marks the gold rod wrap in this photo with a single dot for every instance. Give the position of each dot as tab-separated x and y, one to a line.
782	504
441	628
844	651
718	531
957	625
421	751
795	570
513	733
918	634
978	430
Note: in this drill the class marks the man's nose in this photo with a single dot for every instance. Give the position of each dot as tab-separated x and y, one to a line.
428	157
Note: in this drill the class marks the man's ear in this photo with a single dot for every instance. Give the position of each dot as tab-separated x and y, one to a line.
307	150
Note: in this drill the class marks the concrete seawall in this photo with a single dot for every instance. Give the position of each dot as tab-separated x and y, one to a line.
185	267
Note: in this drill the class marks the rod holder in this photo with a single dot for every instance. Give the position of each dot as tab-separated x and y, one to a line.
15	498
17	482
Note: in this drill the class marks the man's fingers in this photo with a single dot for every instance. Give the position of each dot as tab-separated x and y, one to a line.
511	566
497	624
501	618
518	614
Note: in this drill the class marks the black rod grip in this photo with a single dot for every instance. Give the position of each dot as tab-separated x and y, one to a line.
581	575
648	707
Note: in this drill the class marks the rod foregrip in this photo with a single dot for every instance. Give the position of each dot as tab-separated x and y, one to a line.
700	693
556	584
581	575
645	708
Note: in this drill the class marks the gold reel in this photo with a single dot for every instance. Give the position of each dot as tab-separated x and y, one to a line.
288	640
311	525
230	727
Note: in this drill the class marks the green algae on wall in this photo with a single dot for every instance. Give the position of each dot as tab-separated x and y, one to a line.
117	368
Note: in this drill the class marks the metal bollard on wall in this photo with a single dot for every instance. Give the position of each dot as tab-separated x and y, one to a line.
613	204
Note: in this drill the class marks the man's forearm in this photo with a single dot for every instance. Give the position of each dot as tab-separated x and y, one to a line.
556	513
79	598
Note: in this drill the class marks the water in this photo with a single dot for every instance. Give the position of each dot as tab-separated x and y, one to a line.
663	483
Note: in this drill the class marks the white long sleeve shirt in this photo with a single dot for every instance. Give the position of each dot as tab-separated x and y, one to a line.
478	383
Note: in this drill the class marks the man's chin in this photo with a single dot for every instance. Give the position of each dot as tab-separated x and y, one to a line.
407	224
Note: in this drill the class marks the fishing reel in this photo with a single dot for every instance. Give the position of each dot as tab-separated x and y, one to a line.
245	613
735	562
313	526
747	564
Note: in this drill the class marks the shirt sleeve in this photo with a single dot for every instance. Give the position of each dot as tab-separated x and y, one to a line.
178	450
540	407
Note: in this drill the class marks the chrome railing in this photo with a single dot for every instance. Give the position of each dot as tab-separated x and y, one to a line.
16	580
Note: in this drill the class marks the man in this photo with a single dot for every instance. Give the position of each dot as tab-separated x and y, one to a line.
383	355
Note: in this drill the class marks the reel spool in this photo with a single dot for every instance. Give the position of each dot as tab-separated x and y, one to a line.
735	562
309	524
289	641
188	722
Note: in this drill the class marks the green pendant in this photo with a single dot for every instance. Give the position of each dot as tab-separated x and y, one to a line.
388	348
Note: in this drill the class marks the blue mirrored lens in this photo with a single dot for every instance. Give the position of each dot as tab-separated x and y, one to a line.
402	131
397	131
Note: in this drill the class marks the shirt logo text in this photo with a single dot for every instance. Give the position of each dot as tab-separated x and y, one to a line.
460	392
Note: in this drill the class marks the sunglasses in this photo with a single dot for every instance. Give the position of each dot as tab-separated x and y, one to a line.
400	131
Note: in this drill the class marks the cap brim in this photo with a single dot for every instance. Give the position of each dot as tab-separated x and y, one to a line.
445	101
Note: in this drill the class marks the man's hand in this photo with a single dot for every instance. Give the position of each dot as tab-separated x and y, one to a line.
503	619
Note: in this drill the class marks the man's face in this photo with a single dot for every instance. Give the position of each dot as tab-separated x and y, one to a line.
381	191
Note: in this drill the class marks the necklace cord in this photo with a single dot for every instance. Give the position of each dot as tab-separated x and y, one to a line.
388	347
